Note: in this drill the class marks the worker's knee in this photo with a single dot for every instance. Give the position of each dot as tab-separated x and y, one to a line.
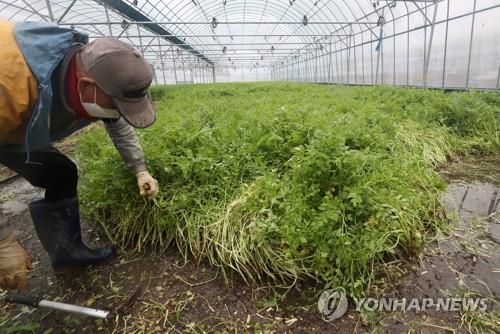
63	180
69	173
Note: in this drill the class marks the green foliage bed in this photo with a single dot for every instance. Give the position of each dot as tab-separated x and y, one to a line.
289	181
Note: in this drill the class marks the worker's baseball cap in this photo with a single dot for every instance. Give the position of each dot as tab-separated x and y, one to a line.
124	75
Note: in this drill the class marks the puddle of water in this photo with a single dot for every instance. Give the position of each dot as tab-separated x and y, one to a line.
474	192
478	198
466	259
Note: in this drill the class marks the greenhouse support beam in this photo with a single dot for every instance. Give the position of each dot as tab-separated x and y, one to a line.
330	61
233	55
470	44
349	43
379	58
363	60
426	71
66	11
252	43
446	42
498	78
316	67
422	12
162	64
408	45
49	9
175	67
155	79
393	49
33	10
170	68
150	46
106	11
148	22
126	10
250	36
183	68
257	50
140	39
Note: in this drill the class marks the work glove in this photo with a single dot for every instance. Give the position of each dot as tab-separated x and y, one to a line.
14	263
148	186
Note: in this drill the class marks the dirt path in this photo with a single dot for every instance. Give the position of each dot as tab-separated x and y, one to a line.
163	293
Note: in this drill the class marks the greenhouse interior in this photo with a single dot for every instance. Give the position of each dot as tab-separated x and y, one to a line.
250	166
447	44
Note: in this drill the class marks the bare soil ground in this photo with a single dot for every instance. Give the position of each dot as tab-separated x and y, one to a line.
163	293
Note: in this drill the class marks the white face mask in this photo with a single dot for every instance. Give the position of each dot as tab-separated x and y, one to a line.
96	111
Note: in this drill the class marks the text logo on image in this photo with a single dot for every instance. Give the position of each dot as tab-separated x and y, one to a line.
332	304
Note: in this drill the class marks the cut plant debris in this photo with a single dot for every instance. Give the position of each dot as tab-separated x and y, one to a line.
288	181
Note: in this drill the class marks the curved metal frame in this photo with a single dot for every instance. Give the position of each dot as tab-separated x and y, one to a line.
360	42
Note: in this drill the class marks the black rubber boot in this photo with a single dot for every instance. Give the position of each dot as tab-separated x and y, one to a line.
58	227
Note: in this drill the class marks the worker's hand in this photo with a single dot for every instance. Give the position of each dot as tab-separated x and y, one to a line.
148	186
14	263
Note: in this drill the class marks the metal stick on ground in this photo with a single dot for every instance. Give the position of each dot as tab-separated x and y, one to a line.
47	304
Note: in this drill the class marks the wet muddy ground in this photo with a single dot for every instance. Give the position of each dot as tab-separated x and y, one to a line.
163	293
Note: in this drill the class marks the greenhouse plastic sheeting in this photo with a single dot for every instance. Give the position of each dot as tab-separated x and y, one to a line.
429	43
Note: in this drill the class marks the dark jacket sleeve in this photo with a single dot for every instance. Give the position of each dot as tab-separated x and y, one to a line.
126	142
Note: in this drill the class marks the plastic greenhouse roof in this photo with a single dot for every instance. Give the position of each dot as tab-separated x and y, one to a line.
440	37
241	24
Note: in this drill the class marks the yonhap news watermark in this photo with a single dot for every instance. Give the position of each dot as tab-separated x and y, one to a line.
333	304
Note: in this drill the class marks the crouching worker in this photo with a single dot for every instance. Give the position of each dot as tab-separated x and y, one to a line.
53	83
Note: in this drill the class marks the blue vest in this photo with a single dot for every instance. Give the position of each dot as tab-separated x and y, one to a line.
44	45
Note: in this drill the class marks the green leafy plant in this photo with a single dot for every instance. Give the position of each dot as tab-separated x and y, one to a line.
287	181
